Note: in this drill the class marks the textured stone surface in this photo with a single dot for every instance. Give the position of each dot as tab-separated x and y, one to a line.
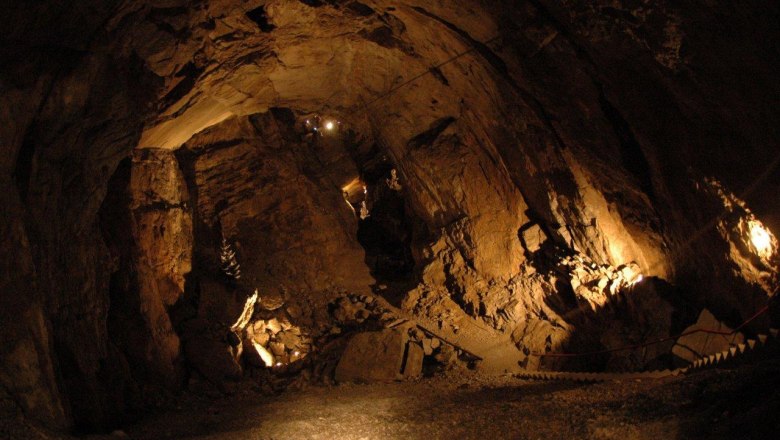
372	356
278	198
413	362
162	229
603	122
697	345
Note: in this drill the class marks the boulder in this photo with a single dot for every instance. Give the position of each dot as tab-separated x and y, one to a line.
274	326
414	360
372	357
289	339
533	238
221	303
277	348
213	359
427	344
697	345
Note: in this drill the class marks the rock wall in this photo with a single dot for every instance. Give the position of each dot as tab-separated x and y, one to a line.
596	123
148	227
277	198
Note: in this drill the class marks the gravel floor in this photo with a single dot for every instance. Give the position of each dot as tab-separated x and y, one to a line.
714	404
719	404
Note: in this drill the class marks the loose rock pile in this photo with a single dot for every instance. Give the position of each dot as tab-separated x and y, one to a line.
275	342
594	284
391	349
351	310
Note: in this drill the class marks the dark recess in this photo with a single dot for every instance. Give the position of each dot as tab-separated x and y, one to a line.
24	163
189	74
259	16
312	3
429	136
630	151
360	9
386	237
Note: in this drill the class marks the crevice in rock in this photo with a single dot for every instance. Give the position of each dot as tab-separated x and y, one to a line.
360	9
428	137
632	156
313	3
189	74
439	75
24	166
259	16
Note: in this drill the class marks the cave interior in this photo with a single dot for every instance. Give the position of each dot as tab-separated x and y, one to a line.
318	204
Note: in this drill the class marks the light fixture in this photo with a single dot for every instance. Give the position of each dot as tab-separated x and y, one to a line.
265	355
761	239
329	125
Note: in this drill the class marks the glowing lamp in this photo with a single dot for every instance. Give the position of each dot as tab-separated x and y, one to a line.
265	355
761	238
329	125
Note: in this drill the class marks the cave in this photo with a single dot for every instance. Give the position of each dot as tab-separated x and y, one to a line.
389	219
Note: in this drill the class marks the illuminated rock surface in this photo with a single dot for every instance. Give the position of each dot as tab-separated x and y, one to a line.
498	176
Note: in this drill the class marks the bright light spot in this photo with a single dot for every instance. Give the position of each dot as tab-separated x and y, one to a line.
638	279
297	353
265	355
329	125
761	238
246	315
278	364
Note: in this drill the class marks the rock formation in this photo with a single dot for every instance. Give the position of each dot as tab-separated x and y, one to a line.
525	166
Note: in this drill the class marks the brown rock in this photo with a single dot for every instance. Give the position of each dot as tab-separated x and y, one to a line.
222	303
372	356
212	359
277	348
697	345
261	338
427	345
475	149
273	326
289	339
533	238
413	362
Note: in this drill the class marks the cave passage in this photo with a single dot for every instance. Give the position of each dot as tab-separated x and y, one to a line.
374	219
385	232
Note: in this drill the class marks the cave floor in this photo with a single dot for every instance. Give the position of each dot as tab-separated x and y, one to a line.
740	403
